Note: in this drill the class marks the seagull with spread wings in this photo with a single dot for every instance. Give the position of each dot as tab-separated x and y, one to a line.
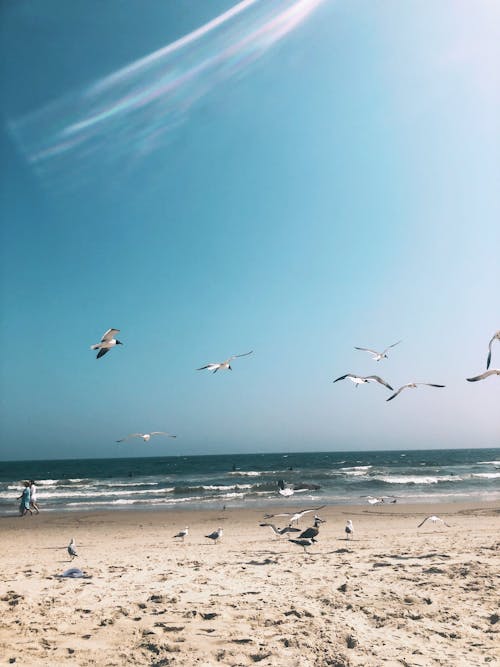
486	374
434	519
414	385
223	365
146	436
295	518
108	342
377	356
359	379
496	336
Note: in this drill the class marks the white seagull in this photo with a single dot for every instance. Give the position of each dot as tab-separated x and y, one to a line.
496	336
72	548
287	489
492	371
216	535
108	341
358	379
377	356
349	529
434	519
146	436
223	365
183	533
414	385
295	518
280	531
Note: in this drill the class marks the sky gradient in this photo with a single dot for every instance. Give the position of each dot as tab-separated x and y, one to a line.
333	187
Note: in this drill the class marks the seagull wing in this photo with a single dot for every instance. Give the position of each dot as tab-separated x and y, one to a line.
343	377
109	335
393	345
210	366
311	509
162	433
492	371
378	379
131	435
271	516
102	352
496	336
366	349
405	386
240	355
429	384
421	524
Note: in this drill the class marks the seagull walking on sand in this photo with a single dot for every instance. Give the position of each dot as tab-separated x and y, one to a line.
182	533
216	535
377	356
349	530
223	365
434	519
295	518
108	342
72	549
303	542
496	336
146	436
486	374
359	379
414	385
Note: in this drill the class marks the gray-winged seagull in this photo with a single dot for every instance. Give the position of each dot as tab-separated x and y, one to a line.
492	371
377	356
146	436
414	385
108	342
223	365
496	336
359	379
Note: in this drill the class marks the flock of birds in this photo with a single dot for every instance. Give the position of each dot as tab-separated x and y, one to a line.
109	341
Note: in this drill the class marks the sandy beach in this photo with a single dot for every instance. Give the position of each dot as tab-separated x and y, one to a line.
394	595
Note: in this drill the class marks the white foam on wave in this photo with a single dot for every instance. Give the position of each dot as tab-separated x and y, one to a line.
488	463
486	475
356	468
416	479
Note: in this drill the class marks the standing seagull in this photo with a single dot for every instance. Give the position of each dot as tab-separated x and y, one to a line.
496	336
223	365
280	531
414	385
146	436
312	533
358	379
377	356
492	371
434	519
216	535
108	341
183	533
72	549
303	542
349	529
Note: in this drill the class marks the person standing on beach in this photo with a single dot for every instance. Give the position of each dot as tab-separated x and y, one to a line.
25	499
33	496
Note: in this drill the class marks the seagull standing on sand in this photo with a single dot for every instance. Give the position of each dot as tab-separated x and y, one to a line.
146	436
295	518
358	379
303	542
486	374
108	342
496	336
434	519
349	530
312	533
414	385
72	549
216	535
183	533
377	356
223	365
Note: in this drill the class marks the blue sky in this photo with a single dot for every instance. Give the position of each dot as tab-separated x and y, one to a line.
337	186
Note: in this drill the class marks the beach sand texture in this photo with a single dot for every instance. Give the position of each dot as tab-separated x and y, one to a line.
395	595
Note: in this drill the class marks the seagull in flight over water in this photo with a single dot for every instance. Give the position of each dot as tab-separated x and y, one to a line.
492	371
146	436
496	336
108	341
286	490
414	385
223	365
295	518
377	356
434	519
358	379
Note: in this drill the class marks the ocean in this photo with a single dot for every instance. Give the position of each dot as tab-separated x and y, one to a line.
250	480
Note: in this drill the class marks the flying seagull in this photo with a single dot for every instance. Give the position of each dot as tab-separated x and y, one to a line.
496	336
286	489
377	356
414	385
349	529
146	436
280	531
183	533
295	518
72	549
358	379
492	371
434	519
223	365
216	535
108	341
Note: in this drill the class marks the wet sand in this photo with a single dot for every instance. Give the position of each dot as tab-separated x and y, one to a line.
394	595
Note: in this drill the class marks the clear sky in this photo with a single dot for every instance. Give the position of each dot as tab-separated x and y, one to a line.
295	177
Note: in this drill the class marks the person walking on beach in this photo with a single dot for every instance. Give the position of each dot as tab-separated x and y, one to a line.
33	496
25	499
